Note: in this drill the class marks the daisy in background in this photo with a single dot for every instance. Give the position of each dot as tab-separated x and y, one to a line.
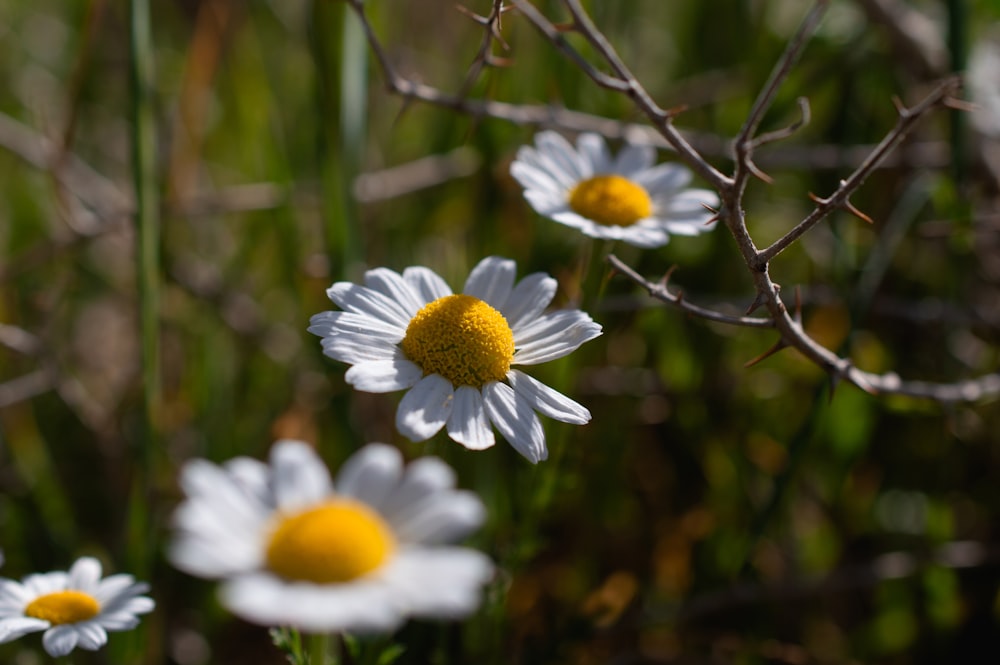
624	198
75	608
454	353
363	553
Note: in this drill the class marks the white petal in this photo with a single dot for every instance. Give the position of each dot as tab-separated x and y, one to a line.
594	150
547	203
553	335
491	281
663	179
383	376
516	421
392	284
351	607
440	518
300	478
468	423
426	283
354	348
362	300
325	324
423	477
547	401
84	575
60	640
529	298
424	410
370	474
634	158
15	627
561	152
444	583
646	236
534	177
546	163
92	636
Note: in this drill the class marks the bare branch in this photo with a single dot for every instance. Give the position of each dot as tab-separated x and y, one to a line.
491	34
744	144
660	118
662	293
908	118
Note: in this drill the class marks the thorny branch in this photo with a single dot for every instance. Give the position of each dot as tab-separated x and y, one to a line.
619	78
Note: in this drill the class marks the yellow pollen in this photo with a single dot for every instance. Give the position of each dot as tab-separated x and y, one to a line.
61	607
336	541
461	338
611	200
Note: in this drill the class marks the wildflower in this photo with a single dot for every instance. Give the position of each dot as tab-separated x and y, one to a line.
454	353
362	554
75	608
623	198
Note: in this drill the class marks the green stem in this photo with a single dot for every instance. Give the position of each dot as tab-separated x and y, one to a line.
341	58
319	650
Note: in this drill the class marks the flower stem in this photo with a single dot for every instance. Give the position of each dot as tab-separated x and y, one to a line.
319	650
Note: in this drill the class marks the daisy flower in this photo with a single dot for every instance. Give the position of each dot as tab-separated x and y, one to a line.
622	198
360	554
454	353
75	608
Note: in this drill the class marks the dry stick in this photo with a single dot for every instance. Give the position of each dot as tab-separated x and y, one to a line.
939	97
491	34
625	83
663	294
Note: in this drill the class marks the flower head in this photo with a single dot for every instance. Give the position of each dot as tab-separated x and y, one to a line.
75	608
455	354
623	198
359	554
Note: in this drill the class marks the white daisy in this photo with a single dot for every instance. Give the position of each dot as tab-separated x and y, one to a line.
623	198
75	608
454	353
361	554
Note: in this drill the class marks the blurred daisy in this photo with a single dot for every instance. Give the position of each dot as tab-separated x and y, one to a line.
361	554
454	353
75	608
623	198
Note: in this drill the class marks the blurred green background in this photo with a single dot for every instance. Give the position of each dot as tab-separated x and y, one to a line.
708	514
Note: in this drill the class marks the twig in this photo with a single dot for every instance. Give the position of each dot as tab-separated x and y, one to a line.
491	34
908	117
663	294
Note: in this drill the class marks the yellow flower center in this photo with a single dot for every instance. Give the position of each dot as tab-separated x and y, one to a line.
61	607
461	338
611	200
336	541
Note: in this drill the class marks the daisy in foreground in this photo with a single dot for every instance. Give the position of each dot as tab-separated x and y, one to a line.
454	353
75	608
624	198
361	554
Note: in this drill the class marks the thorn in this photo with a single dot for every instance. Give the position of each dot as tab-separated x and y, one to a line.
716	214
818	199
754	169
898	103
857	213
960	104
565	27
759	300
778	346
497	61
834	381
666	276
462	9
675	111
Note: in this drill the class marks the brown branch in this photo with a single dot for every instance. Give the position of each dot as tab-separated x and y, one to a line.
661	119
663	294
908	118
491	35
